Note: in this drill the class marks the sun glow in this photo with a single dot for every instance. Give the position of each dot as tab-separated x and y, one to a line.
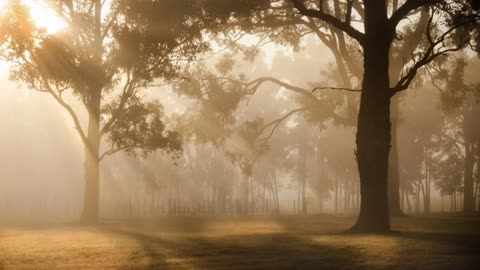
43	15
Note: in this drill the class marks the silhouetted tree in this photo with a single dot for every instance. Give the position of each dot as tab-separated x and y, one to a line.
373	131
461	104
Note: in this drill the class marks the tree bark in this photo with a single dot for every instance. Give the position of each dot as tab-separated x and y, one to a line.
92	146
373	132
90	211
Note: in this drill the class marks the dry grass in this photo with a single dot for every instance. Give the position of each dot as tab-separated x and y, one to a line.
257	243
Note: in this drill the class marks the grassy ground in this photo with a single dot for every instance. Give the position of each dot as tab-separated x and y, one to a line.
313	242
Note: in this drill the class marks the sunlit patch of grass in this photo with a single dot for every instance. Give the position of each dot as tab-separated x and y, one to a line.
63	248
255	227
371	250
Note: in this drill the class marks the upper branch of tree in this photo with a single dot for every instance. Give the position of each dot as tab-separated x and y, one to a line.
127	92
252	86
348	16
406	8
336	88
274	124
67	107
116	150
319	14
436	48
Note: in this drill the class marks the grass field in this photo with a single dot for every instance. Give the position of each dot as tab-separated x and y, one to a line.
313	242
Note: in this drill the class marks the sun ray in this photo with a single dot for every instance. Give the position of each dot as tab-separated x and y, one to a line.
43	15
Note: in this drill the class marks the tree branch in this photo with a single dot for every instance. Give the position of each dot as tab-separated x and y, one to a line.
431	53
68	108
319	14
336	88
126	94
253	85
406	8
277	122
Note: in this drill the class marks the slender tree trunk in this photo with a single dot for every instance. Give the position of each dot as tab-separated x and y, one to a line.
454	201
417	197
345	195
426	196
336	193
303	180
373	132
475	195
393	172
320	202
468	200
407	199
452	207
277	204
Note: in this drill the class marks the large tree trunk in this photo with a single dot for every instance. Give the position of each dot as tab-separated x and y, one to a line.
373	132
92	165
92	146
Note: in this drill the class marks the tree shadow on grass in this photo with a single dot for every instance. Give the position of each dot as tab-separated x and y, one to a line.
266	251
300	246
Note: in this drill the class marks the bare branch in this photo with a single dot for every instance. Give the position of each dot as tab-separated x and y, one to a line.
276	123
112	151
430	54
253	85
68	108
336	88
406	8
348	16
319	14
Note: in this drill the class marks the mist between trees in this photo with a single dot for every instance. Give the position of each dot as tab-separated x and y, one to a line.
191	108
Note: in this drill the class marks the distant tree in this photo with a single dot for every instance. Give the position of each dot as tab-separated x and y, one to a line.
447	170
461	105
103	58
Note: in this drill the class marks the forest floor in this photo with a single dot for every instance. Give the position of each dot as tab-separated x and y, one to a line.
312	242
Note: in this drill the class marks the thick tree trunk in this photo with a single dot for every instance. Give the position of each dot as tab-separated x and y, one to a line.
373	143
92	146
373	132
92	166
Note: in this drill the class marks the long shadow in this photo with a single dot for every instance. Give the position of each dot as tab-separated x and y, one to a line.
304	244
287	251
273	251
455	239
